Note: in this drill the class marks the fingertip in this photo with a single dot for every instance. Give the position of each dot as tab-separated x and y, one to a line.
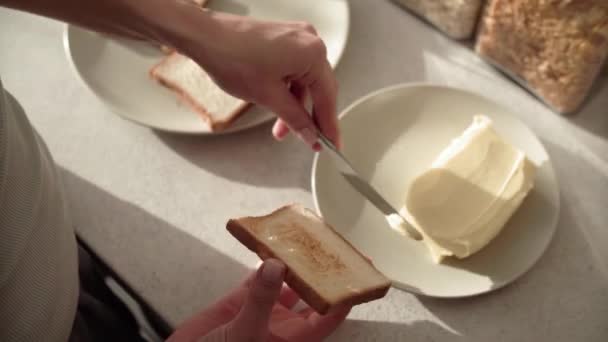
280	130
272	272
278	135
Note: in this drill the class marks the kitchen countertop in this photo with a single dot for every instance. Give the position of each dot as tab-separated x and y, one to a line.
154	205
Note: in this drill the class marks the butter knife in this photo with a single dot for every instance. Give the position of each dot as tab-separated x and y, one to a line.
395	220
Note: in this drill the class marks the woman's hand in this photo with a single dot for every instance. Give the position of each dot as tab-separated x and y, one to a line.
272	64
259	310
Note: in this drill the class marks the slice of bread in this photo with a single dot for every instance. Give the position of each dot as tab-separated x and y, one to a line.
322	267
182	75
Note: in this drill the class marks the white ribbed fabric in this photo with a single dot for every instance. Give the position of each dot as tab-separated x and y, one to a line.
38	258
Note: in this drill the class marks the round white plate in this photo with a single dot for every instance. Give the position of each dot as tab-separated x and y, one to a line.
117	70
393	135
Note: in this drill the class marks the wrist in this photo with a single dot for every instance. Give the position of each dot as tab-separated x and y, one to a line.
180	24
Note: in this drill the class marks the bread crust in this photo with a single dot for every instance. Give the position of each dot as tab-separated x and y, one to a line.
214	125
237	227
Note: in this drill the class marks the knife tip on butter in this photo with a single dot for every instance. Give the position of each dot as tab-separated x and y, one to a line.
400	225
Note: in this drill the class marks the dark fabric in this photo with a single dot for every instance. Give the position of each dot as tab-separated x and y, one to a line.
100	316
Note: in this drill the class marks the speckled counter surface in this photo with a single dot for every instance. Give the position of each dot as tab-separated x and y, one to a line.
154	205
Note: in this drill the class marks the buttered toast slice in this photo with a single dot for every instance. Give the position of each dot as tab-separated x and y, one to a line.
322	267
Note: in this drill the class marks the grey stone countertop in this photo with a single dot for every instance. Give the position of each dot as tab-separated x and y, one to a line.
154	205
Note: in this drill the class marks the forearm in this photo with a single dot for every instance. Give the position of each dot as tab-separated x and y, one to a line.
169	22
251	59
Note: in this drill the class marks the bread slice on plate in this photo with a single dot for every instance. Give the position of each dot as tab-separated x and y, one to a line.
186	78
322	267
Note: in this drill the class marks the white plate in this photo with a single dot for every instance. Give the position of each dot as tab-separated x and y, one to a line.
117	70
393	135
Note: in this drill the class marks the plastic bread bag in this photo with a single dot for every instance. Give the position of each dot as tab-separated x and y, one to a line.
554	48
456	18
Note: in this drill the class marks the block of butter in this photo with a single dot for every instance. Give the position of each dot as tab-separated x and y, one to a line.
471	190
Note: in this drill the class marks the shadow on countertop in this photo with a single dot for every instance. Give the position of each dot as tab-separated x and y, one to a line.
593	116
358	330
157	258
244	157
565	295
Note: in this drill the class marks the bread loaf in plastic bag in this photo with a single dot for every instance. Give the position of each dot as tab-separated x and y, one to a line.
555	48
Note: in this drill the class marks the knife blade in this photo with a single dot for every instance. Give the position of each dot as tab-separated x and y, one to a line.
367	190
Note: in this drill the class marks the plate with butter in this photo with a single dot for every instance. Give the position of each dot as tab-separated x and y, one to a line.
469	176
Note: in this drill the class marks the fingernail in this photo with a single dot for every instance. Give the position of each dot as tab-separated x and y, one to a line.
308	135
278	134
272	271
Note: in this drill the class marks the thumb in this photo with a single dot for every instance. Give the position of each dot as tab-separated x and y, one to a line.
251	323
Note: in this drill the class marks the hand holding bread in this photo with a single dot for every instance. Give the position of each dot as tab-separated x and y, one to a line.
259	310
322	267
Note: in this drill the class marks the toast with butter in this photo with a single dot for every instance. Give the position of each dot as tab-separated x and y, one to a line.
322	267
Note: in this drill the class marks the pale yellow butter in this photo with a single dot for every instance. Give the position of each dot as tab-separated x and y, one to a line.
471	190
